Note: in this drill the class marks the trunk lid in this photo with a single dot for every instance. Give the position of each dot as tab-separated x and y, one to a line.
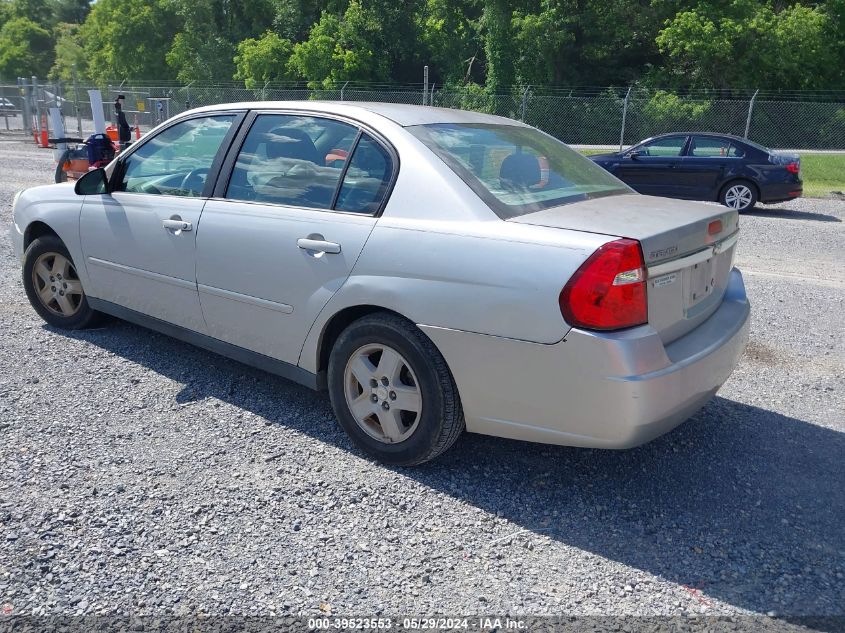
688	249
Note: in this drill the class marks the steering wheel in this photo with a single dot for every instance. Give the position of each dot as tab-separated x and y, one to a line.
194	173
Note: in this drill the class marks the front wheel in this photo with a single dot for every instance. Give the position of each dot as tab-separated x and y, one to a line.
392	391
53	286
739	196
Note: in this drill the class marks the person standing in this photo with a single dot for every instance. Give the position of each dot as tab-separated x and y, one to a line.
124	132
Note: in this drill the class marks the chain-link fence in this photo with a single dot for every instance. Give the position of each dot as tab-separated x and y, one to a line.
593	117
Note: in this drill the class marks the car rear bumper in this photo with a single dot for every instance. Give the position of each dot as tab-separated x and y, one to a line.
779	192
602	390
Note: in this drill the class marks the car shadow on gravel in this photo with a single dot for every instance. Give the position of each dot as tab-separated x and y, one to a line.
739	503
789	214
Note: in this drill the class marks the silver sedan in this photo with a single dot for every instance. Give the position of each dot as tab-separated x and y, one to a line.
434	270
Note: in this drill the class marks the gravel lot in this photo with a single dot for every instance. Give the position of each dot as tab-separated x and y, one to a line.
141	475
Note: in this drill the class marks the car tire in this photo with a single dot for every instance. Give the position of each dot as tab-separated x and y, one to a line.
61	174
53	286
426	417
739	195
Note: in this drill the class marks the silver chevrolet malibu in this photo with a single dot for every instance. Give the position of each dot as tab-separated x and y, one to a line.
435	270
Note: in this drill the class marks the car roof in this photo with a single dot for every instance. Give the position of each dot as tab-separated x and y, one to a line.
400	113
733	137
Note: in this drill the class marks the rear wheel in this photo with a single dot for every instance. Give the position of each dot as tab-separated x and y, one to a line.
739	195
392	391
61	174
53	286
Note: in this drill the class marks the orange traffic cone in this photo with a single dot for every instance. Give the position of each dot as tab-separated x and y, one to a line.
137	129
44	134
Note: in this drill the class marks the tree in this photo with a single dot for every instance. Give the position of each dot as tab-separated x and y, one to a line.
128	39
751	45
499	45
39	11
70	56
450	33
340	50
211	29
71	11
26	49
264	59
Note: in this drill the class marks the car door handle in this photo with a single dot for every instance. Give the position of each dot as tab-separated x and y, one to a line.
319	246
176	225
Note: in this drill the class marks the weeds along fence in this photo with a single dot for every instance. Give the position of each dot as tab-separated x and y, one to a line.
608	117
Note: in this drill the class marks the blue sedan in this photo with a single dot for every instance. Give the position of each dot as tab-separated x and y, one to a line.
702	166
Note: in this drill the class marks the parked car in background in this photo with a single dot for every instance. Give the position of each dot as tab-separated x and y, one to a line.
433	269
702	166
6	105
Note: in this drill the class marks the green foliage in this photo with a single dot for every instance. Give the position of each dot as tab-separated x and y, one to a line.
500	44
339	50
38	11
449	31
26	49
126	39
71	11
749	43
206	45
264	59
499	47
70	54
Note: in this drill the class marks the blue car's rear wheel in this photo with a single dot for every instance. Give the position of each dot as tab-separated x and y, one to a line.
739	195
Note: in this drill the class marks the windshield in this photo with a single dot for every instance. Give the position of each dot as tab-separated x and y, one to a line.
517	170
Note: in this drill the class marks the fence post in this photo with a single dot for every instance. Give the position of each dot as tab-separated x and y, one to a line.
524	105
624	117
431	95
5	109
750	110
76	101
342	89
425	84
37	109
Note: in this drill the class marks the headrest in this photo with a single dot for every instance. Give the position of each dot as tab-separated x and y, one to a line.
291	143
519	170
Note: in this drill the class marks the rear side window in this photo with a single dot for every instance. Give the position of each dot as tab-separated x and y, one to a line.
367	178
710	147
292	160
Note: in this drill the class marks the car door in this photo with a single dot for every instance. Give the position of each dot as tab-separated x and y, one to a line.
286	226
649	168
139	240
704	165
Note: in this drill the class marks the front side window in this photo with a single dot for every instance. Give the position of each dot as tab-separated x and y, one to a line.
672	146
292	160
517	170
176	161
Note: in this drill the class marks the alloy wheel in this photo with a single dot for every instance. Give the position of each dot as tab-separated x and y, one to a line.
57	284
382	393
738	197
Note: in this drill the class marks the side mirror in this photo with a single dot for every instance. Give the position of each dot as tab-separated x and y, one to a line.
94	182
633	155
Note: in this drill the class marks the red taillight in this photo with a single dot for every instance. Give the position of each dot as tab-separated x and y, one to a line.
793	168
608	291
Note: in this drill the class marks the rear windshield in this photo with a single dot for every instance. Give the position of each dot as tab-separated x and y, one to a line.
517	170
